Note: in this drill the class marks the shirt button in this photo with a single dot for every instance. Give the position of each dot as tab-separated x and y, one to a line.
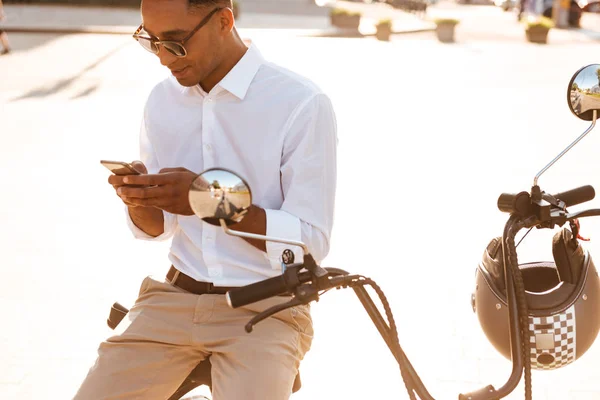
208	147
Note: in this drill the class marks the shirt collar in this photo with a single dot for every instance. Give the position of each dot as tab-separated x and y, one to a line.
238	80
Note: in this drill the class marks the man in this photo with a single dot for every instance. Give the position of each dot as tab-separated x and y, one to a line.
522	9
3	35
225	106
596	88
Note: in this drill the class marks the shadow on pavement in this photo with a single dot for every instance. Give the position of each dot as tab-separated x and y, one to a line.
23	42
63	84
85	92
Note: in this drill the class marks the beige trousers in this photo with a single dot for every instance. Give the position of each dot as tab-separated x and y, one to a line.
169	331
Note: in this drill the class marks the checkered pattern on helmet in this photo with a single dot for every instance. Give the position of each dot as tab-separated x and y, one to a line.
562	327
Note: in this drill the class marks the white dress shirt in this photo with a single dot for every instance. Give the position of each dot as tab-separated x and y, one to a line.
275	129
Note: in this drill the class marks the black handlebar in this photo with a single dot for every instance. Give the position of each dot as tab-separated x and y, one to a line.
576	196
265	289
521	203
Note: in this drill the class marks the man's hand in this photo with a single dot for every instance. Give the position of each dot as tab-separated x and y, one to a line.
117	180
148	219
168	190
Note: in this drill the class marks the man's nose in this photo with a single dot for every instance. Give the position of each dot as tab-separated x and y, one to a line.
166	57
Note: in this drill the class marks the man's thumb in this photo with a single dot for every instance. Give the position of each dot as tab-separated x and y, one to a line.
139	167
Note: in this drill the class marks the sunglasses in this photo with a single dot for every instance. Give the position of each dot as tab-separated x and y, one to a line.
175	47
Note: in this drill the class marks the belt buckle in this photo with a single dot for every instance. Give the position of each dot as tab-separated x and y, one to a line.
173	281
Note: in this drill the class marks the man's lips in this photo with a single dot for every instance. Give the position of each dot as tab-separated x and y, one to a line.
179	71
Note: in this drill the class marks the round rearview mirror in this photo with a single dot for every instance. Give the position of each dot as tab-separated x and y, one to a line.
583	94
219	194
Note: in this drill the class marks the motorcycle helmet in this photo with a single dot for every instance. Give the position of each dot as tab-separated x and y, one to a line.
563	297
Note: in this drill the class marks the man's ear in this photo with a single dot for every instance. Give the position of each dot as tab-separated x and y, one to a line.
227	20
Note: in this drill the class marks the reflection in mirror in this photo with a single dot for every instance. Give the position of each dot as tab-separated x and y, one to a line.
584	92
220	194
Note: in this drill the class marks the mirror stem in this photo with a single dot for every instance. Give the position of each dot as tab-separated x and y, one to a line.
261	237
567	149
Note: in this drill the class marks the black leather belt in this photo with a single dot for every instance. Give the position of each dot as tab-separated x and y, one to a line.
189	284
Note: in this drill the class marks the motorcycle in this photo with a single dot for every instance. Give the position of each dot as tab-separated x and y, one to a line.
541	315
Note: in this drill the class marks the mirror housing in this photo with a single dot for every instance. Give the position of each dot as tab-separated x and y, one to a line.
583	92
219	194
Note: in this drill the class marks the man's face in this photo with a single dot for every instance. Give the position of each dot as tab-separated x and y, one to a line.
174	20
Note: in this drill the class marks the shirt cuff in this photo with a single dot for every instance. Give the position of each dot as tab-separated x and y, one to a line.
169	219
282	225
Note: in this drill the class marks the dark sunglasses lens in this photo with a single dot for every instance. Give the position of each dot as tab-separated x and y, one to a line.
148	45
175	48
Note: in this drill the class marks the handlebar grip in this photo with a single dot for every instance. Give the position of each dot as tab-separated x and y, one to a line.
272	287
258	291
519	203
577	196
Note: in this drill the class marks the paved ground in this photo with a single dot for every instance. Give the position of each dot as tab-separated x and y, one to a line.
430	134
45	18
476	22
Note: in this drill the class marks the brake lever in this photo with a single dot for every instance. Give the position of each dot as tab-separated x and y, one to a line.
585	213
560	217
303	294
271	311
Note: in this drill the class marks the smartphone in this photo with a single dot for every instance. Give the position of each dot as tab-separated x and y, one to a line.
119	167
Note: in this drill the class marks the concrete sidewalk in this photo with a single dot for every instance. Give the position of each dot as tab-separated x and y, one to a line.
104	20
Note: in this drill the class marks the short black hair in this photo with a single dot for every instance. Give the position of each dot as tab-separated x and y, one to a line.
210	3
